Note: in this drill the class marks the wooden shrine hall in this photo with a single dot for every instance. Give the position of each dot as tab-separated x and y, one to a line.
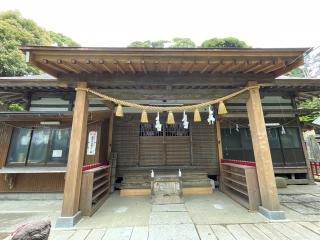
107	117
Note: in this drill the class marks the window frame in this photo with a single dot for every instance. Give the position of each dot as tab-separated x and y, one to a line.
46	163
285	162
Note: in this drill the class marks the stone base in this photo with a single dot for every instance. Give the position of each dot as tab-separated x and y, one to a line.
166	189
68	222
164	199
272	215
281	182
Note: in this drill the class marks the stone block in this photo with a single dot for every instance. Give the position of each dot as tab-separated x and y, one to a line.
281	182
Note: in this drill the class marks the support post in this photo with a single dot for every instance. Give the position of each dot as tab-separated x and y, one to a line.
70	208
220	151
110	134
262	154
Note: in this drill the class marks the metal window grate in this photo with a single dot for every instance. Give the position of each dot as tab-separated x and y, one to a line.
172	130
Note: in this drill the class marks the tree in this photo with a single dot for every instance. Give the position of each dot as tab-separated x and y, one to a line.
149	44
229	42
16	30
182	43
61	40
297	72
313	103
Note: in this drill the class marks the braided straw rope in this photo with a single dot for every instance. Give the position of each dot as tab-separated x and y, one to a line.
166	109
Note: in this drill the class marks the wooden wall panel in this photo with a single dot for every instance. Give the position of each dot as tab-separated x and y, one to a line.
204	146
34	183
126	140
151	151
5	137
178	150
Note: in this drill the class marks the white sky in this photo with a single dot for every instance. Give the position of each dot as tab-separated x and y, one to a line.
105	23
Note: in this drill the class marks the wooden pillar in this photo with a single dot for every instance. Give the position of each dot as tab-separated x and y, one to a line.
220	151
261	149
77	145
110	134
303	143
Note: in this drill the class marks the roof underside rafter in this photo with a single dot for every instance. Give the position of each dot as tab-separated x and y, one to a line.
69	61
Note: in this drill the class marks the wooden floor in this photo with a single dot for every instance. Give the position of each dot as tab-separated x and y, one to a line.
259	231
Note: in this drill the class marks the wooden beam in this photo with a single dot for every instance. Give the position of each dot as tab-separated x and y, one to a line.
105	67
156	66
190	67
131	67
291	65
44	67
222	66
303	143
119	66
209	65
234	65
110	135
205	79
253	67
205	68
220	150
265	67
80	66
67	66
261	149
168	67
77	146
144	68
53	66
90	65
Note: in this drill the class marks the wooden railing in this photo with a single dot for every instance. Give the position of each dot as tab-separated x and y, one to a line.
239	181
315	169
95	188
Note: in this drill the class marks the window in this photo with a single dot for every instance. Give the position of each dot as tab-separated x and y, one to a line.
169	130
286	149
39	146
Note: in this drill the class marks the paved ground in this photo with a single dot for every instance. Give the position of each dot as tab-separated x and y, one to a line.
213	216
259	231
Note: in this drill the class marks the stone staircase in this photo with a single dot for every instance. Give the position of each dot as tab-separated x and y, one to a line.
139	182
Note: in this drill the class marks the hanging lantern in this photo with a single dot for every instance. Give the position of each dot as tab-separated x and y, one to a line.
196	117
144	117
222	108
185	120
158	124
119	111
211	118
283	130
170	119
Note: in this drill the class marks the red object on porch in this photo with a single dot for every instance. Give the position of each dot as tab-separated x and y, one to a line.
95	165
240	162
315	168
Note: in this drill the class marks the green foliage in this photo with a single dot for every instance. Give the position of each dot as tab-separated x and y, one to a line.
182	43
229	42
178	42
313	103
15	107
12	61
148	44
297	72
140	44
61	40
24	31
11	107
16	30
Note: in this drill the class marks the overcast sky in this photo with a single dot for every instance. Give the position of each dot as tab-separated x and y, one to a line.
104	23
